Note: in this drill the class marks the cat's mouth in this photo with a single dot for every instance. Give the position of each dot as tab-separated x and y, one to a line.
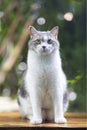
44	50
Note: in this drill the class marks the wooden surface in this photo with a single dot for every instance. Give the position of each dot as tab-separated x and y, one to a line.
13	120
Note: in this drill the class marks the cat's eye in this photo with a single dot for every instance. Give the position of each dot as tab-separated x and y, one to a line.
49	41
38	41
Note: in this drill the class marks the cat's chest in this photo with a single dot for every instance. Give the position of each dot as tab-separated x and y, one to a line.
42	63
42	67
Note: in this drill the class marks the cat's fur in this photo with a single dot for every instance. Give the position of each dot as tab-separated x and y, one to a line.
43	95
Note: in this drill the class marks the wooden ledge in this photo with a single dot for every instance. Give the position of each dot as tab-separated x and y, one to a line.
13	121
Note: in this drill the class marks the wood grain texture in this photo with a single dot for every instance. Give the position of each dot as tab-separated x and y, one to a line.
13	121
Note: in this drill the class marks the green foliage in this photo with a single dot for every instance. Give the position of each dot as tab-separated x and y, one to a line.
72	82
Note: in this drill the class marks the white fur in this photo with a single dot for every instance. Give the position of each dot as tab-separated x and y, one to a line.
45	82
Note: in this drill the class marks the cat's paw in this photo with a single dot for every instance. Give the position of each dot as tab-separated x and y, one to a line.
61	120
35	121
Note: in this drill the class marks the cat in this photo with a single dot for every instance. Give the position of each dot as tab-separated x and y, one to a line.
43	95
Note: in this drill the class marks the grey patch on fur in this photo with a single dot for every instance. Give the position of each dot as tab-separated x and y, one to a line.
23	92
18	101
65	98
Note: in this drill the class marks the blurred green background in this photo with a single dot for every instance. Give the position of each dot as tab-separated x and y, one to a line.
70	16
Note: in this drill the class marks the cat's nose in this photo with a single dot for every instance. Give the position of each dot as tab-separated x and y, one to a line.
43	47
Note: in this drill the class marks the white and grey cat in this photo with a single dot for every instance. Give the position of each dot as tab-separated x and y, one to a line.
43	95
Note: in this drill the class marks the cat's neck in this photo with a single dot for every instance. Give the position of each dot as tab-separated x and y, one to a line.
53	58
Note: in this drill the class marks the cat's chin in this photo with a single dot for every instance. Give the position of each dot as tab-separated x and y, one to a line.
44	53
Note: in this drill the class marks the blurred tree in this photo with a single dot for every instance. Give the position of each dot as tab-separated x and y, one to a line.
70	16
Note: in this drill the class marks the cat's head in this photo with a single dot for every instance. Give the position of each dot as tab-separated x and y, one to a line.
43	42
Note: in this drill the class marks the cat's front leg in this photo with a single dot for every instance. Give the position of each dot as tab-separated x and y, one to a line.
59	117
58	106
36	107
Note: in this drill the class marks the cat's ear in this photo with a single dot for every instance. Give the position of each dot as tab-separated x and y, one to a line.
55	31
32	31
